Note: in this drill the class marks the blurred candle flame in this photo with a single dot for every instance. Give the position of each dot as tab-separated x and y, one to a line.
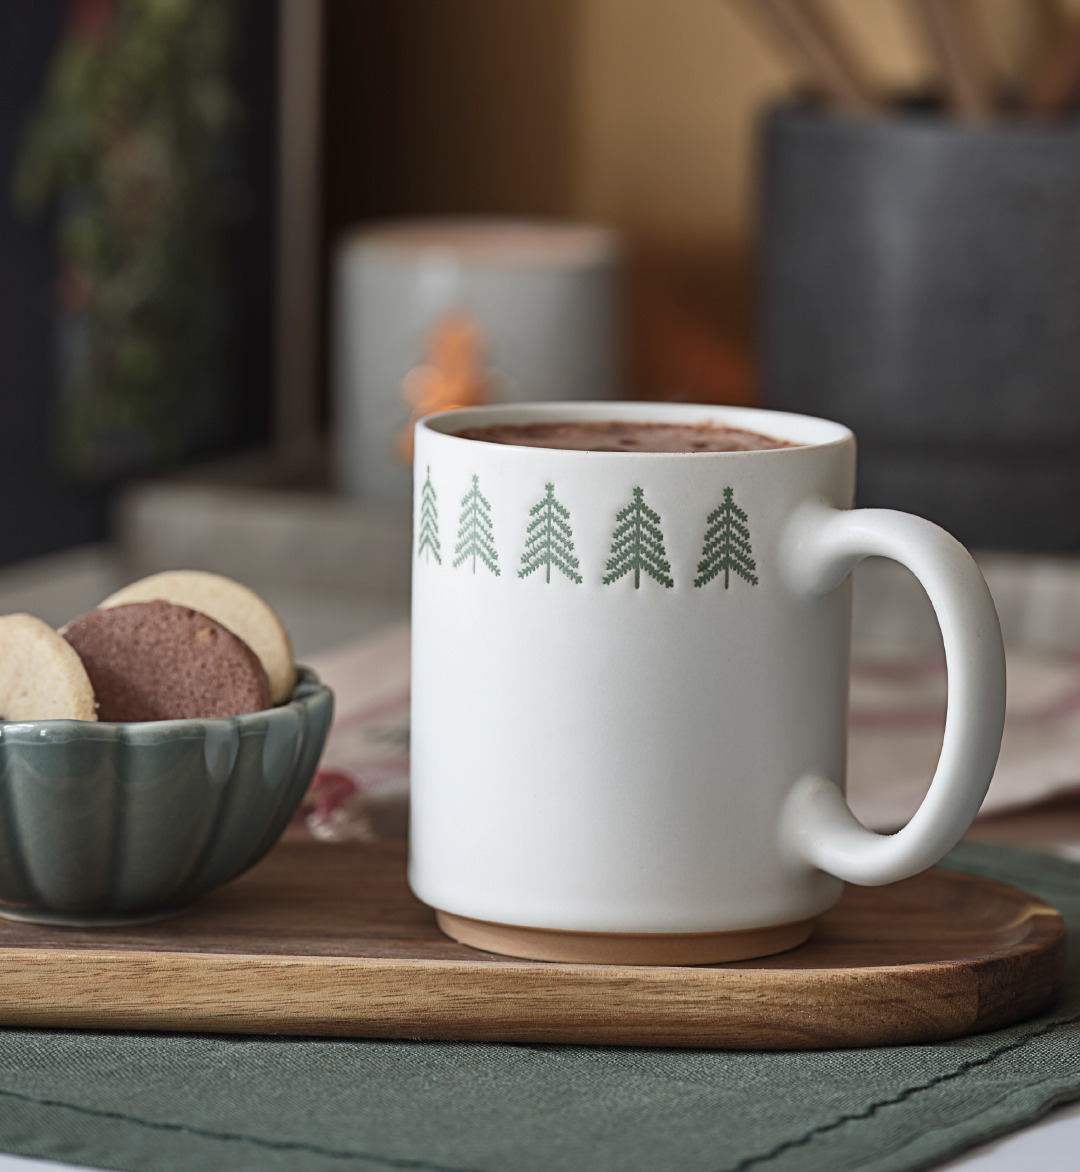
454	374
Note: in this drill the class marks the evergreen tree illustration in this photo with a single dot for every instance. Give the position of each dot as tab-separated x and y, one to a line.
428	539
549	540
637	544
475	535
727	544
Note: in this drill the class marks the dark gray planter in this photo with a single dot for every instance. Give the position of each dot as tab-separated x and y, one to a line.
921	282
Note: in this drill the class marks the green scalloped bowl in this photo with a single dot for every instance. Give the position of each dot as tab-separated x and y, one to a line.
105	824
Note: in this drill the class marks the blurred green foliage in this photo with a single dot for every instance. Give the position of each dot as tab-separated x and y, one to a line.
130	149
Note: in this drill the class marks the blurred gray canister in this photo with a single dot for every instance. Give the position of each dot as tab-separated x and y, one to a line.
533	310
921	282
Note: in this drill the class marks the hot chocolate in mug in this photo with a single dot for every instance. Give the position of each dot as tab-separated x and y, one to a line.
630	688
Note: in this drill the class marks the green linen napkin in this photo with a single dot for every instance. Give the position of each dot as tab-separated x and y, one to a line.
151	1102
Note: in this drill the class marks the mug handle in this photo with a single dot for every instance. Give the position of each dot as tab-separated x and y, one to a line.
820	547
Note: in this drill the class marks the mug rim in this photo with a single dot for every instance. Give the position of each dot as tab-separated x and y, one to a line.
804	432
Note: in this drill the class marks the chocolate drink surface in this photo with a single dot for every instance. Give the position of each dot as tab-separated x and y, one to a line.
617	435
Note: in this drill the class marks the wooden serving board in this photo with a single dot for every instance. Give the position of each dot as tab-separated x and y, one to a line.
328	940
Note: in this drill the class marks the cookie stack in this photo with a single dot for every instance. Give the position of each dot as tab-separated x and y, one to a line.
173	646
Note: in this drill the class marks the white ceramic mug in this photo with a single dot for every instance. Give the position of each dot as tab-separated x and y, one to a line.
629	721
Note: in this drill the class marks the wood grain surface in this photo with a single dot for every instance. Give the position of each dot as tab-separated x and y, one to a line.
328	940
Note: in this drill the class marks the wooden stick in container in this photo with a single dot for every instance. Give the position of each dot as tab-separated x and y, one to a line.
955	44
1048	17
1047	26
1057	86
810	39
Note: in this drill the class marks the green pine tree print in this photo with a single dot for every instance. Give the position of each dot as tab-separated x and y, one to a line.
476	538
428	538
549	540
638	544
727	544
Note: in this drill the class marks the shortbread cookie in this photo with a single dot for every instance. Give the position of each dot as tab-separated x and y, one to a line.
41	677
157	661
232	605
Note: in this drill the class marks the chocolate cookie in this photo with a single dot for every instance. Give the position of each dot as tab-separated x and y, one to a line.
41	677
232	605
157	661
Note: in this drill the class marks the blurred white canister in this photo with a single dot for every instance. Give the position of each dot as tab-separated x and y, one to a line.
436	314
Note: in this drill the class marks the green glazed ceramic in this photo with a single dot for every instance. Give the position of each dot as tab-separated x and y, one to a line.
111	823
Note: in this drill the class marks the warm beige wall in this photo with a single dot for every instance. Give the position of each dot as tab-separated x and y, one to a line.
669	93
640	113
668	98
637	111
449	106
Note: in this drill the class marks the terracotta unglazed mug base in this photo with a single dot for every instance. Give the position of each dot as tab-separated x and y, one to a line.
655	948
